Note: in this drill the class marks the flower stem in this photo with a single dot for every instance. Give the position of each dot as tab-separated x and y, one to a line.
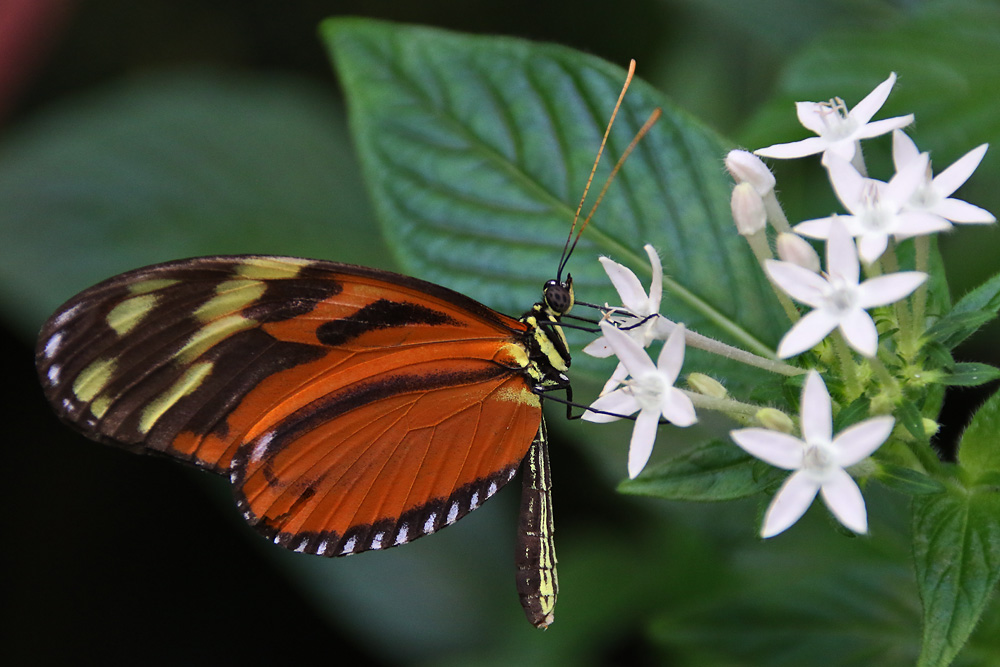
884	376
847	367
903	316
762	251
698	341
775	214
922	248
735	409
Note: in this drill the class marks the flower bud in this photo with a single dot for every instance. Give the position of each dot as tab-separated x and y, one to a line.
748	210
775	420
706	385
795	249
746	167
931	427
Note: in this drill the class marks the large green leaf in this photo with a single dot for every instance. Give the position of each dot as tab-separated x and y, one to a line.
476	151
712	472
979	449
174	165
957	556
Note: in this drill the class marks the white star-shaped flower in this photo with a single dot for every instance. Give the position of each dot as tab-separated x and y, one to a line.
839	299
933	194
818	460
878	210
636	307
839	130
650	391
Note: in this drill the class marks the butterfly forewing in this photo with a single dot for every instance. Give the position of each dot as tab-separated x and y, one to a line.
352	408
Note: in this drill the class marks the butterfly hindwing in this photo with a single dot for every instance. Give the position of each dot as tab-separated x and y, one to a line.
349	406
436	438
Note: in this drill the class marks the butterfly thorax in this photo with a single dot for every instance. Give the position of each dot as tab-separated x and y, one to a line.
548	350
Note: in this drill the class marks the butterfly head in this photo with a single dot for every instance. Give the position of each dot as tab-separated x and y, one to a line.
558	296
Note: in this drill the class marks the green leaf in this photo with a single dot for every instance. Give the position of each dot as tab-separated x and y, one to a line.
955	327
969	374
912	420
957	557
169	166
970	313
476	151
715	471
907	480
979	448
857	411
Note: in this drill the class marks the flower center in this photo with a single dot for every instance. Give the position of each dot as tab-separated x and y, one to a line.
648	390
818	460
838	122
925	196
876	215
840	297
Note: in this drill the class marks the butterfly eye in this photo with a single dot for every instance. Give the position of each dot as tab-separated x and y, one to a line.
558	296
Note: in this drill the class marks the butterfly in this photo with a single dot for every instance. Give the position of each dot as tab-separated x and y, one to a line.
351	408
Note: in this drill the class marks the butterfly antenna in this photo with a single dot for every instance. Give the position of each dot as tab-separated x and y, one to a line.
568	247
643	131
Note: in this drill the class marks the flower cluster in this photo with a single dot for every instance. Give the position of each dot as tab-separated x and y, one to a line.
862	274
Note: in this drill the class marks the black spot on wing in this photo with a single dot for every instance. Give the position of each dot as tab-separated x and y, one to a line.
285	299
381	314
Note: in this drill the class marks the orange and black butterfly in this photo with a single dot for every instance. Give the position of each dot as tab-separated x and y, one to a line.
352	409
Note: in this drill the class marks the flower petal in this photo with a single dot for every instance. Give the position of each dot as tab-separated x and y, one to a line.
860	332
907	180
779	449
628	351
677	408
656	284
789	504
890	288
672	355
861	440
847	182
871	246
904	150
618	402
842	148
880	127
918	223
842	495
957	210
815	229
842	254
617	377
813	116
641	445
799	283
816	410
629	288
959	172
873	101
598	348
806	333
794	149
